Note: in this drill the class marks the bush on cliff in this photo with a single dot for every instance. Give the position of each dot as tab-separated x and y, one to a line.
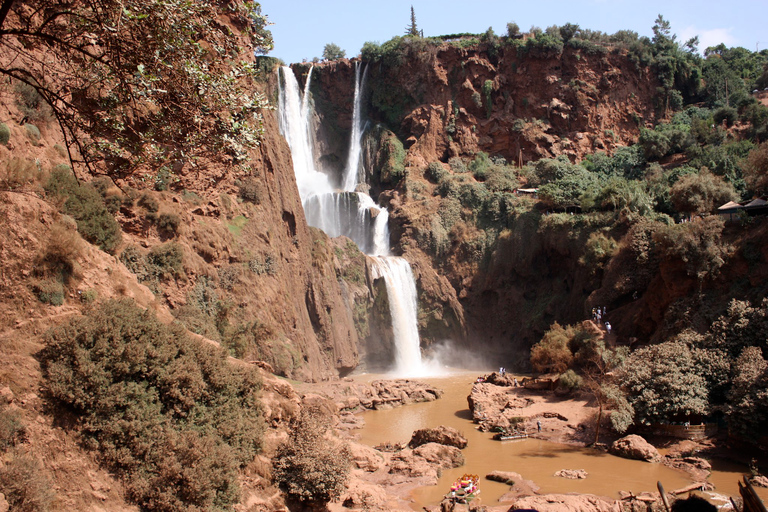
83	202
308	467
169	414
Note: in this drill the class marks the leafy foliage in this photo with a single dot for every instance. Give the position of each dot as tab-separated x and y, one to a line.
701	193
666	382
332	51
170	414
84	203
309	467
133	109
553	352
698	244
24	484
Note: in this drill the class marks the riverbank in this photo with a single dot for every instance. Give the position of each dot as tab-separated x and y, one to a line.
395	478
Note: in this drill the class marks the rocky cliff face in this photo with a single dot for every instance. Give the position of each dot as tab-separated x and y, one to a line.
445	101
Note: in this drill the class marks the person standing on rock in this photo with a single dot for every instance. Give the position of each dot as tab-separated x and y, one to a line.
538	425
608	327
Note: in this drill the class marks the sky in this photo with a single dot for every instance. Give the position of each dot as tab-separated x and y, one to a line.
302	28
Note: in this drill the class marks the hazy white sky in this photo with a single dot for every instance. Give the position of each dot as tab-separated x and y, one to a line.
301	28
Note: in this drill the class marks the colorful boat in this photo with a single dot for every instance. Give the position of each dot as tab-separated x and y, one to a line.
464	489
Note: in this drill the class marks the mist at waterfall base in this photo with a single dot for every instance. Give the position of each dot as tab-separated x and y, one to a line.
342	210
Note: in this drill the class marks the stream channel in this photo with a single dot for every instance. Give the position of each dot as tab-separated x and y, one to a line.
534	459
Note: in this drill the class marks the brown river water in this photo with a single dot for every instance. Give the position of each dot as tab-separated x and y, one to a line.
534	459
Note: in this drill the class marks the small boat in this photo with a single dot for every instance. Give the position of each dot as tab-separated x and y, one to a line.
464	489
507	436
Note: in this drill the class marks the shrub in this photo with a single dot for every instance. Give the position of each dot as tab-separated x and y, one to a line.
701	193
12	429
570	380
249	190
308	468
392	158
5	134
18	173
552	353
166	259
161	262
89	296
168	414
163	177
436	172
479	166
260	266
168	223
49	291
457	165
58	260
148	202
30	103
25	486
487	90
84	203
698	244
33	133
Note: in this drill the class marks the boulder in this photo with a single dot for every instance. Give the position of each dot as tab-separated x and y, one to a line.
759	481
565	503
365	458
572	474
445	456
519	485
364	496
635	447
442	435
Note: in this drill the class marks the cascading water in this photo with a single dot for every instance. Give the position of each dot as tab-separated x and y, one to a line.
358	128
351	213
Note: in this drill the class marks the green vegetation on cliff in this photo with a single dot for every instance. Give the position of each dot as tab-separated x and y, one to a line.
170	414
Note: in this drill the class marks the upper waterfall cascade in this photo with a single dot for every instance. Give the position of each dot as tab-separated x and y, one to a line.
350	213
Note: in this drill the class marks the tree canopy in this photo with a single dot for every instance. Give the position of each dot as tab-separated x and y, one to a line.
137	83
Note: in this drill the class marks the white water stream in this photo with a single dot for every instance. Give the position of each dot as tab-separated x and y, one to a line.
350	213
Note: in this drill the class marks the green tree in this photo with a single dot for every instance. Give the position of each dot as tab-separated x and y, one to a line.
748	398
332	51
701	193
184	89
755	168
666	382
552	353
310	467
698	245
596	363
412	30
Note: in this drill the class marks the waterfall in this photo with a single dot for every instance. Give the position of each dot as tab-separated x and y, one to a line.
352	214
358	127
403	306
295	127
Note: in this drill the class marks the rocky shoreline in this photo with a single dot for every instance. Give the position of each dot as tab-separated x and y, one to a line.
383	476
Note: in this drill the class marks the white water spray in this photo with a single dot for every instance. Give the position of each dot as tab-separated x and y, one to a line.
352	214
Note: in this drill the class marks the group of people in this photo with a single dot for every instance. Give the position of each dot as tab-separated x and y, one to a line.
598	315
